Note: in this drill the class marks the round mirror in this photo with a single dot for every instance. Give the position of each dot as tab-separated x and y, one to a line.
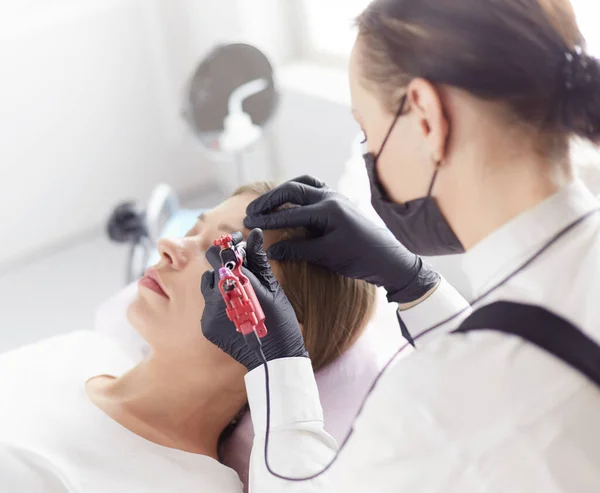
231	97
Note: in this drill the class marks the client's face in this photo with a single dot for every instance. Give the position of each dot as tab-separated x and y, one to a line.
170	320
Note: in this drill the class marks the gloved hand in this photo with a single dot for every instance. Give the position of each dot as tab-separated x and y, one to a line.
284	337
344	240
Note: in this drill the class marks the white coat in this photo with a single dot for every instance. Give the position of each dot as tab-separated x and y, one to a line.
481	412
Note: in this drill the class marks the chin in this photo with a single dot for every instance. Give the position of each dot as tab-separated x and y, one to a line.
143	318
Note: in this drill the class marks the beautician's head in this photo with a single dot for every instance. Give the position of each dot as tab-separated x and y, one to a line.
172	325
488	88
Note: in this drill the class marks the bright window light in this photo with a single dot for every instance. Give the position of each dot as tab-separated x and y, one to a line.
330	26
330	32
588	13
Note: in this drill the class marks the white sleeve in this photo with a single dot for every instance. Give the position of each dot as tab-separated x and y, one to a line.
25	471
298	444
443	304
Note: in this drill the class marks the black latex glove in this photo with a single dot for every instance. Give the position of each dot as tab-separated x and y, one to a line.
284	337
344	240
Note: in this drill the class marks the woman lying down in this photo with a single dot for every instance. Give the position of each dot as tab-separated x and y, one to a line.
77	415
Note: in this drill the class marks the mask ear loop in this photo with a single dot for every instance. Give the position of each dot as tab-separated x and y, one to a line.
398	115
437	169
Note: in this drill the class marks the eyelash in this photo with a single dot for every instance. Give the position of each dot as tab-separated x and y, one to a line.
364	140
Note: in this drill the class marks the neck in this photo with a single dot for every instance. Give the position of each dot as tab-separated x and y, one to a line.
495	187
186	403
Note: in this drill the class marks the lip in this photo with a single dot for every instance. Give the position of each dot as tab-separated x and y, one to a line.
151	280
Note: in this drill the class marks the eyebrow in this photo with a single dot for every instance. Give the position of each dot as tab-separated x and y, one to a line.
221	226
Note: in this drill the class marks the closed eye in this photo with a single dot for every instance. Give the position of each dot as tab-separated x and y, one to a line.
194	230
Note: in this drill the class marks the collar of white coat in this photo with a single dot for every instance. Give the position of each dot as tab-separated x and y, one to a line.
505	250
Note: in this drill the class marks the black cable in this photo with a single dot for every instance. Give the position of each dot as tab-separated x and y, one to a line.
258	349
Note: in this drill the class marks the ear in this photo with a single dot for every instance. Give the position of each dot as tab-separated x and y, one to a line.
425	100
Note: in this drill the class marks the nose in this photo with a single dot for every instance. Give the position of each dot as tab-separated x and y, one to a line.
205	241
174	252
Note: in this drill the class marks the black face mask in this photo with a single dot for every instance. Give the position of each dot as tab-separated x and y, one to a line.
418	224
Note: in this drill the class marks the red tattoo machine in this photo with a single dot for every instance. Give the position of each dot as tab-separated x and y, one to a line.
243	308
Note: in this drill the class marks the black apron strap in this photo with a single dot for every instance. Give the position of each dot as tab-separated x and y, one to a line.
404	329
541	328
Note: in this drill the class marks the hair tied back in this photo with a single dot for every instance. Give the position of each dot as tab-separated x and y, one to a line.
580	100
580	70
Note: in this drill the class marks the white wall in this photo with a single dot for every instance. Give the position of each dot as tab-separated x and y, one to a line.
314	136
91	95
87	117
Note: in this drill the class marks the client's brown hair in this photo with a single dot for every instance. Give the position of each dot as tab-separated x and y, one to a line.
332	309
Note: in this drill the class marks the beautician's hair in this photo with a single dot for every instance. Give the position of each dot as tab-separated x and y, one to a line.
332	309
527	54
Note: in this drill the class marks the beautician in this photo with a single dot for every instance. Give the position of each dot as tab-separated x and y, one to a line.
468	109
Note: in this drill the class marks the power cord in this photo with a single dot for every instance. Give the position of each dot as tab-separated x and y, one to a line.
254	343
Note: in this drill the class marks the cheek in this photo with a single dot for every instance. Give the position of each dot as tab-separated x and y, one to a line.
403	167
206	238
189	307
177	322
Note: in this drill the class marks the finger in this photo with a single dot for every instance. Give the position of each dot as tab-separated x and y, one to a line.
308	250
208	282
257	261
214	258
310	180
255	242
309	216
256	257
262	282
292	192
237	237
